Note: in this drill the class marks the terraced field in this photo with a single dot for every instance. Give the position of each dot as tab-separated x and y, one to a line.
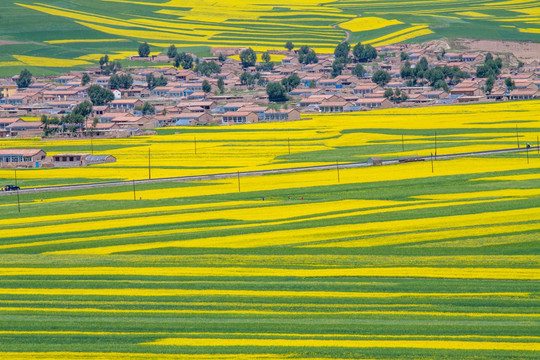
76	33
384	262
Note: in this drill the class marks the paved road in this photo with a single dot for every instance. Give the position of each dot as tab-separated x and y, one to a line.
263	172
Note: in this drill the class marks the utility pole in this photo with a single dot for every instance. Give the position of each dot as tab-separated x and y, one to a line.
432	163
289	145
337	168
517	136
435	145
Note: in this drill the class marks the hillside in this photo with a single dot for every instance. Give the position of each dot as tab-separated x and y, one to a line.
56	35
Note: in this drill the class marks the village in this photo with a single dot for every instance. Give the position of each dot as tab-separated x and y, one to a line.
222	90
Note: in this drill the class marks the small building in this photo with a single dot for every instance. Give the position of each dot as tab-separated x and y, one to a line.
192	118
281	115
24	128
78	160
523	94
239	117
125	105
335	106
10	158
374	103
364	89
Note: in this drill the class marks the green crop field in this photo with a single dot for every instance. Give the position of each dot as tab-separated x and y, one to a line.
416	260
43	36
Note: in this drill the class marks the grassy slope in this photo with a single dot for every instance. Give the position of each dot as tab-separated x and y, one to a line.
32	28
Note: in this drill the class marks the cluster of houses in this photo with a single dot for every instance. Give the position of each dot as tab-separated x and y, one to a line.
182	101
37	158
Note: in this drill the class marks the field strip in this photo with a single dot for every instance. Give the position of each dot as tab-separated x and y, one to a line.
68	355
252	293
414	344
287	335
419	272
264	312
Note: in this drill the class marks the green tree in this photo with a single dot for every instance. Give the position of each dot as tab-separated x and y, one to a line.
510	84
388	93
381	77
84	109
25	79
337	66
307	55
104	60
406	70
247	79
291	82
276	92
222	57
404	56
441	84
221	85
342	51
490	82
153	82
99	96
207	68
172	52
148	108
423	64
313	84
206	87
144	49
183	60
359	70
363	53
435	74
266	57
248	58
85	79
289	45
114	82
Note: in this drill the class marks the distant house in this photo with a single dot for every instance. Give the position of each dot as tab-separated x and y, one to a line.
4	123
24	128
10	158
239	117
192	118
78	160
125	105
523	94
281	115
335	106
364	89
374	103
466	91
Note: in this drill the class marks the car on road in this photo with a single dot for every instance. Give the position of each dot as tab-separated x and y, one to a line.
11	188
